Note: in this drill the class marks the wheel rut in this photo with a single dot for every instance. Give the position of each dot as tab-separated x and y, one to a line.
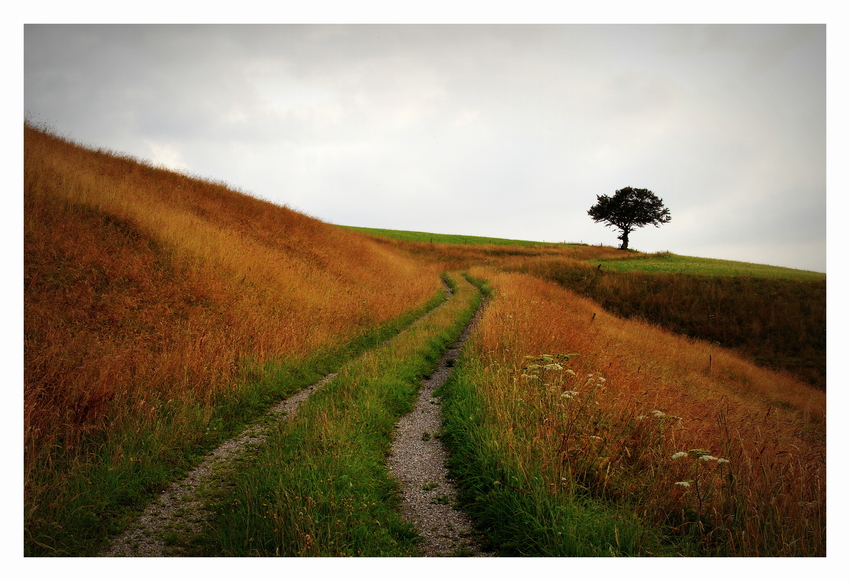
418	462
180	509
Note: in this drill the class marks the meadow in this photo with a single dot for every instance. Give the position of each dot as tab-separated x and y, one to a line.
431	238
579	433
609	402
161	312
772	315
666	262
777	321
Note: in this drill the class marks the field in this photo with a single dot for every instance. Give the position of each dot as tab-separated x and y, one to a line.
579	433
409	236
609	402
666	262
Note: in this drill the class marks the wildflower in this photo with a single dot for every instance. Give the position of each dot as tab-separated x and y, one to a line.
553	366
658	413
722	461
684	484
707	458
678	455
569	394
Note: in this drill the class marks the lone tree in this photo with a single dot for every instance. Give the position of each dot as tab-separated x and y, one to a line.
628	209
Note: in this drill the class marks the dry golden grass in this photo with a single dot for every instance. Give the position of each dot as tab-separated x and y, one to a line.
638	396
145	287
151	296
777	322
501	256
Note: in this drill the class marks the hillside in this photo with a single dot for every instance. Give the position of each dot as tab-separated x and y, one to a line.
580	433
610	394
775	316
152	299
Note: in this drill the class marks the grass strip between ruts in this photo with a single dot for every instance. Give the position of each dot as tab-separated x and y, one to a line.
320	485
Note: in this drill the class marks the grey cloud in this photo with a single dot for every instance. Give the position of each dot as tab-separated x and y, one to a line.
513	129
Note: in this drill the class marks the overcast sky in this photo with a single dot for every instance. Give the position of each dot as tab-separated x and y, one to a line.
493	130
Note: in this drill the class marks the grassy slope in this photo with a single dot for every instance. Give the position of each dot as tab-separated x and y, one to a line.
116	402
411	236
774	315
161	313
663	262
674	263
600	472
635	443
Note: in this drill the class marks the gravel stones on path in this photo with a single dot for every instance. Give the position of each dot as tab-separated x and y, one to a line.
418	462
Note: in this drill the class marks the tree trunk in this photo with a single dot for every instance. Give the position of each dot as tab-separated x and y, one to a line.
625	238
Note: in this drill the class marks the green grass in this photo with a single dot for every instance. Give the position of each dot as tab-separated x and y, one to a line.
98	493
662	262
320	485
411	236
673	263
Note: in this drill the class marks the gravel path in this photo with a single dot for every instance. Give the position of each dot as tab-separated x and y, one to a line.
418	461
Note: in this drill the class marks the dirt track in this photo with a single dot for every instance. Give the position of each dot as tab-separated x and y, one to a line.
417	461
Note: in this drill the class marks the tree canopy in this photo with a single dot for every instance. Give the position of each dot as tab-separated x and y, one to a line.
628	209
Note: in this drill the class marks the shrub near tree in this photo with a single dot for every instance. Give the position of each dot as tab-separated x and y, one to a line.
628	209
